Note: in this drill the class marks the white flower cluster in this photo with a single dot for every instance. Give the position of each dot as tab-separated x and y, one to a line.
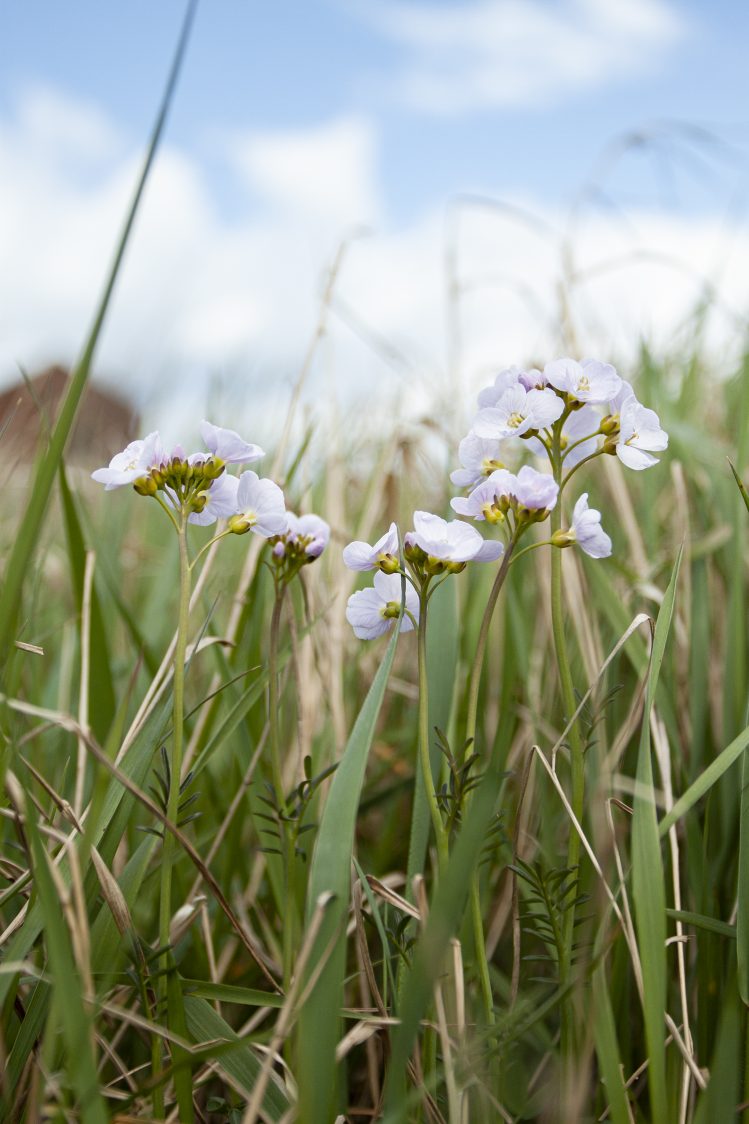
199	486
434	547
604	411
570	412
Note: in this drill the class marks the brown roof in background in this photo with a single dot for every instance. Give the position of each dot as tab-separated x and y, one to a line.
105	422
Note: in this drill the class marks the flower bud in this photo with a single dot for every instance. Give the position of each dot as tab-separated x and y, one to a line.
609	445
213	468
197	503
562	539
492	513
455	567
435	565
389	564
392	610
414	553
145	486
239	524
610	425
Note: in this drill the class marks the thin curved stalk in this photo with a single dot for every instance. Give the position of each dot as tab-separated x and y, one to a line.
426	766
175	757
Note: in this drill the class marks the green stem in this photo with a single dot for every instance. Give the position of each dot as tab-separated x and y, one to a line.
208	545
564	482
580	441
175	757
275	751
575	742
478	659
286	829
426	766
477	922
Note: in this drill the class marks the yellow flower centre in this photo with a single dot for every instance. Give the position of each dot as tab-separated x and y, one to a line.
515	420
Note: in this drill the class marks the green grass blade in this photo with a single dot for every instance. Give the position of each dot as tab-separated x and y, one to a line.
76	1023
242	1064
101	697
445	917
700	921
740	485
648	884
180	1056
442	661
28	530
105	834
607	1048
330	872
705	781
230	993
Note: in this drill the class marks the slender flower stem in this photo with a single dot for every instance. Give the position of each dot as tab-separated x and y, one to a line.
581	441
165	507
275	752
426	765
564	482
478	659
175	756
477	924
291	922
204	549
576	745
529	548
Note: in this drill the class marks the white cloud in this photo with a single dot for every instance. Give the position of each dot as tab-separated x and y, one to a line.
483	54
325	173
202	295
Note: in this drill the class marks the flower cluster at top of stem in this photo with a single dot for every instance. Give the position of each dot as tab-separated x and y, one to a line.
569	413
198	488
434	549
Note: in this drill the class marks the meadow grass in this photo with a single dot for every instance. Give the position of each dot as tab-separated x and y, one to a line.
281	927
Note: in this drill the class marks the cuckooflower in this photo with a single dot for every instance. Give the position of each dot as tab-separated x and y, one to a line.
589	381
535	491
308	533
135	461
228	446
517	412
221	501
505	380
371	612
639	433
587	530
533	379
260	507
479	457
382	556
451	542
490	499
581	423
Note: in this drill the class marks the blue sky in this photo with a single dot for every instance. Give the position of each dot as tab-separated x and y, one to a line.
295	120
291	65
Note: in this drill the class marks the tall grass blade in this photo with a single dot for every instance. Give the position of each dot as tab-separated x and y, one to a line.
76	1023
330	873
445	917
648	883
51	458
